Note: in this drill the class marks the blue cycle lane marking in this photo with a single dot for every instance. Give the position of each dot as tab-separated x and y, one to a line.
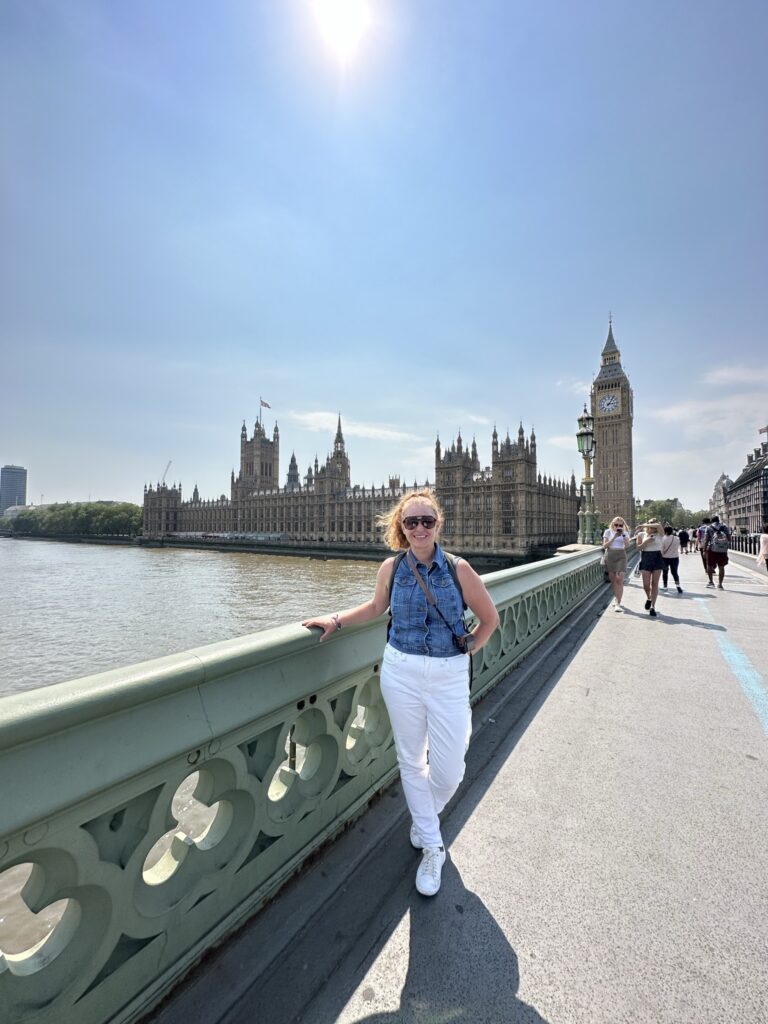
752	683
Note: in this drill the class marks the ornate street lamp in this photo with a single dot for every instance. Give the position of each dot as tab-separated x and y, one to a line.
585	439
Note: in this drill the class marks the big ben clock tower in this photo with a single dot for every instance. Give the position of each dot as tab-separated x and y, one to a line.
612	410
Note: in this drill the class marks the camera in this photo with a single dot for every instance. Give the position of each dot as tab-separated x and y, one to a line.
465	643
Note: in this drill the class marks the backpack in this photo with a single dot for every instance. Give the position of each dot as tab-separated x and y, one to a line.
718	538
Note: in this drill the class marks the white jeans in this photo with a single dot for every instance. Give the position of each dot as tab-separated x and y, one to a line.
428	704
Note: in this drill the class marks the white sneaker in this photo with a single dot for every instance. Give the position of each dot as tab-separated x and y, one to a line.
416	842
428	875
618	608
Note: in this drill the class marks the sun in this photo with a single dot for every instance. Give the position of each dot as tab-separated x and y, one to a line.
343	23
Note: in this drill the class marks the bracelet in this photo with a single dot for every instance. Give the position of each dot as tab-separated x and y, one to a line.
336	621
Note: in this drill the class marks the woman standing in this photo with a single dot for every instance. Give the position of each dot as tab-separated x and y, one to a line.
762	555
425	670
615	544
670	552
651	562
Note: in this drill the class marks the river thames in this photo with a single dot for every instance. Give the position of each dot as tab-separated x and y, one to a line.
69	610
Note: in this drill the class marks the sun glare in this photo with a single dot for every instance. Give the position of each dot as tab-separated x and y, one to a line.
343	23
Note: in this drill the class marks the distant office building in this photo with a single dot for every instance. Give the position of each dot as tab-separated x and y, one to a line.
15	510
13	487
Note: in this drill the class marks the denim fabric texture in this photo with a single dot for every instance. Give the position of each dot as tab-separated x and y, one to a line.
416	626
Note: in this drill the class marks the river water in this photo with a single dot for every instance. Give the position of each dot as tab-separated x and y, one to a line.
69	610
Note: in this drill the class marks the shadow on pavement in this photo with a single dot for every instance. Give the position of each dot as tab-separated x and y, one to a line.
748	593
461	969
672	620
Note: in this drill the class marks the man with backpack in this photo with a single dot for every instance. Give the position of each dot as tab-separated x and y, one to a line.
716	543
701	536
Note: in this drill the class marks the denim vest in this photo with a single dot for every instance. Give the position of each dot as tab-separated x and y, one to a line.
416	626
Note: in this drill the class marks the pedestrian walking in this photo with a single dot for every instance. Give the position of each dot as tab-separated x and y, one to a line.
762	554
670	552
716	543
701	536
684	537
425	667
651	562
615	544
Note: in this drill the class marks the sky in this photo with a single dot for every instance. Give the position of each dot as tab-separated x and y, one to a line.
419	218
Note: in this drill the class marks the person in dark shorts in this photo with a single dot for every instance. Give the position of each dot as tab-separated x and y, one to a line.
670	552
683	537
615	544
651	562
716	544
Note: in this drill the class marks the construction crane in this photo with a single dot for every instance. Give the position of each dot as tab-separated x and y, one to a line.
162	480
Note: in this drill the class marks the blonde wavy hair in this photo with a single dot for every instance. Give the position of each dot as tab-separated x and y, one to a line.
394	536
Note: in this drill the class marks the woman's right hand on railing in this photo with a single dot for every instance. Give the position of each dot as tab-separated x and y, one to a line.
329	624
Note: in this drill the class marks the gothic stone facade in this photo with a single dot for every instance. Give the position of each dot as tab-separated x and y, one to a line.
747	497
611	400
507	507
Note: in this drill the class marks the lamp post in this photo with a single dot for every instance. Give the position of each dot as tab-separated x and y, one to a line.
585	439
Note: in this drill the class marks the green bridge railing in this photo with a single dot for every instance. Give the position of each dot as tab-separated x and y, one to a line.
148	811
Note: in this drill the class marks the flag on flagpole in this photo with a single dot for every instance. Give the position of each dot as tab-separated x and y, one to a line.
263	404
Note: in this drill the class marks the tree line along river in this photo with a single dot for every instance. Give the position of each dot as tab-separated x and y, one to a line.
69	610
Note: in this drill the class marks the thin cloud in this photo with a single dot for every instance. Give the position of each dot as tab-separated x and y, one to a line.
729	417
574	387
736	375
424	455
565	441
482	420
325	422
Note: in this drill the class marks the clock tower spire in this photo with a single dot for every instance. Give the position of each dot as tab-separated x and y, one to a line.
612	401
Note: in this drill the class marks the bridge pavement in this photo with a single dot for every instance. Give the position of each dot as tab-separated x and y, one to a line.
608	852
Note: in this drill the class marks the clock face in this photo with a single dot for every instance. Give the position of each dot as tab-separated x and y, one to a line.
608	403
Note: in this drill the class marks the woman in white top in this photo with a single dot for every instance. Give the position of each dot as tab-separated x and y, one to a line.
762	555
651	562
615	544
670	552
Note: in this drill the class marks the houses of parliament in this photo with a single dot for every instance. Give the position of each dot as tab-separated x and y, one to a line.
508	508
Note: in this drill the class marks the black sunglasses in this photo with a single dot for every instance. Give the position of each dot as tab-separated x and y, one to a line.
411	522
